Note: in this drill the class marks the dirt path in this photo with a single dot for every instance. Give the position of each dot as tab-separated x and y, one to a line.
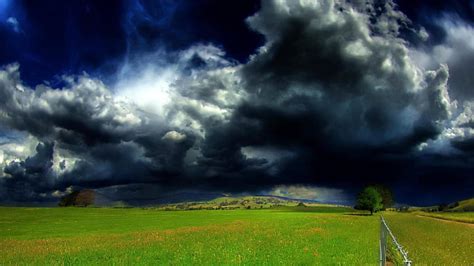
446	220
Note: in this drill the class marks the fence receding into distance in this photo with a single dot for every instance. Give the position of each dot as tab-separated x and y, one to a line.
390	248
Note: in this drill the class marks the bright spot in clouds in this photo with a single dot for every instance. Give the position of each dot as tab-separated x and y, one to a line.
150	89
174	136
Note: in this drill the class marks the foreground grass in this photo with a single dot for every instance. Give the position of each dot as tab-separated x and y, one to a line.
432	241
286	236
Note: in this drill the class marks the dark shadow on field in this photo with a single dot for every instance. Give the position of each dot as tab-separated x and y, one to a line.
358	214
321	209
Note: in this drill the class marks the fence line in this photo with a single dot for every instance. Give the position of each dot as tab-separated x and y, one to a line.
384	231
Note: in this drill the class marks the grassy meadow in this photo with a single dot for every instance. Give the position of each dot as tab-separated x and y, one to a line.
136	236
282	236
432	241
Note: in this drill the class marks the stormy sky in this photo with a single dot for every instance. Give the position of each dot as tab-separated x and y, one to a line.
146	100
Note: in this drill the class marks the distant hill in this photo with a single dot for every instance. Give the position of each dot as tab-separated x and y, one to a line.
90	197
458	206
245	202
462	206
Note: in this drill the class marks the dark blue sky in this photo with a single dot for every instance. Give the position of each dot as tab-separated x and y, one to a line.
59	37
68	37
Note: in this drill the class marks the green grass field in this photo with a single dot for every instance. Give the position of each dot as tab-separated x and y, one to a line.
431	241
285	236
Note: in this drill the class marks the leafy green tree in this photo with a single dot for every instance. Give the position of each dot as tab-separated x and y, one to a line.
369	199
387	196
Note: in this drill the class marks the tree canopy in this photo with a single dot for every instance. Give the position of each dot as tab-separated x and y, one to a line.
369	199
81	198
387	196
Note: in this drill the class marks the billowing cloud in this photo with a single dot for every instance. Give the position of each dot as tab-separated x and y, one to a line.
103	137
26	179
325	64
456	51
334	99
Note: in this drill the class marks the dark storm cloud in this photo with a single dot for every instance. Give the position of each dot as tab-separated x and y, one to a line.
349	103
104	138
30	177
465	145
333	98
107	141
338	83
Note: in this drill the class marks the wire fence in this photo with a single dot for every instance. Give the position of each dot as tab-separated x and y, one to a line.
390	249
